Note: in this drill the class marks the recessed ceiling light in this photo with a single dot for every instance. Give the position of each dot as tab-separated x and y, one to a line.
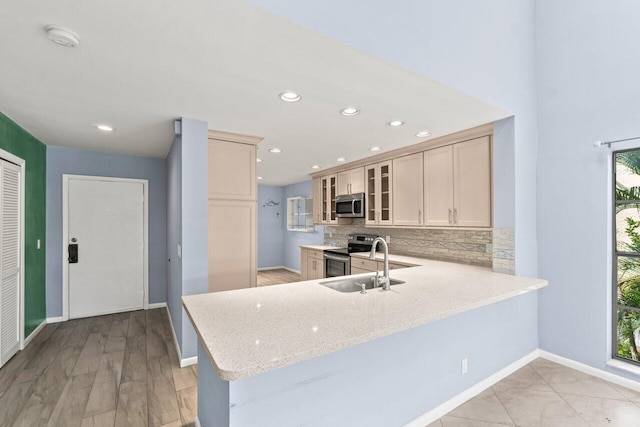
258	160
341	159
395	123
259	177
423	134
290	96
62	36
350	111
315	167
375	149
105	128
275	150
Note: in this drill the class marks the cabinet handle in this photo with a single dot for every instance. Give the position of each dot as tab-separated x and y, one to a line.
450	220
455	216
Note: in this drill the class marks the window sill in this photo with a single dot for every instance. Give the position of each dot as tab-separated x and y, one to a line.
623	366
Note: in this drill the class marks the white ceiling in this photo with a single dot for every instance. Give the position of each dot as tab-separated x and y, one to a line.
142	64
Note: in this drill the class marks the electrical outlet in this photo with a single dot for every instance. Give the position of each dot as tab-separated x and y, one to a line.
38	243
464	367
388	239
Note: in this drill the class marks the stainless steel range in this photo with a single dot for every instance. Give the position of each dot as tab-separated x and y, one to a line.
337	262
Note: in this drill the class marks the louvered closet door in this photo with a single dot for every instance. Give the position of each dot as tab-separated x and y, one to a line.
10	176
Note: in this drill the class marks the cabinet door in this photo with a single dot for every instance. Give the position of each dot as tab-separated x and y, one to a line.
232	245
356	180
472	183
232	170
408	190
438	187
331	202
372	201
325	200
304	269
311	269
317	201
344	183
385	193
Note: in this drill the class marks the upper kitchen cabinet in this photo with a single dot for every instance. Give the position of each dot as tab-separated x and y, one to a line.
232	191
351	181
317	201
457	184
408	190
438	186
379	193
232	171
472	183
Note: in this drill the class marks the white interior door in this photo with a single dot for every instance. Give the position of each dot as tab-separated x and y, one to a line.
10	262
106	221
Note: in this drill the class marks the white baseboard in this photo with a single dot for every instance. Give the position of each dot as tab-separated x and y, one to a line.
280	267
271	268
55	319
156	305
33	334
183	362
188	361
587	369
448	406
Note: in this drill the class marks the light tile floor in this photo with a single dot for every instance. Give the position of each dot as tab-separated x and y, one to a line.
546	394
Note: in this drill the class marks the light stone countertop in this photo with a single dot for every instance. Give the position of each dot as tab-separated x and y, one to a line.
320	247
250	331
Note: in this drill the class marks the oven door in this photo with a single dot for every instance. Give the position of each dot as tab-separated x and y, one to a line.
336	265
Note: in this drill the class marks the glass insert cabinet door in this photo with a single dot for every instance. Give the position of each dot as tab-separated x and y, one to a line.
626	259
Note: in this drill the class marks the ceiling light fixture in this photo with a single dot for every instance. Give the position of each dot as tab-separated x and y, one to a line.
275	150
375	149
258	160
395	123
259	177
350	111
105	128
423	134
341	159
62	36
290	96
315	167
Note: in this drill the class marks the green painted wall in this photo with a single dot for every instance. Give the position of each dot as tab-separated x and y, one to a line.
19	142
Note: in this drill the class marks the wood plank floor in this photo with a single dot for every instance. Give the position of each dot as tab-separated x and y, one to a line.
276	277
115	370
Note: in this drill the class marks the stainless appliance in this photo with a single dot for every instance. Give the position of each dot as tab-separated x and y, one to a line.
350	206
337	262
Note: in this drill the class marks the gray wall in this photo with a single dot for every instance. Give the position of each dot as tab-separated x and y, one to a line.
485	48
195	238
174	235
271	226
81	162
293	239
589	67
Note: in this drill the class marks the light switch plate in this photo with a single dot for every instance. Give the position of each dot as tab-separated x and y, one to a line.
179	250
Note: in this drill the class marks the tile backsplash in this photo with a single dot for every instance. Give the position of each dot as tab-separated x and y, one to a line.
463	246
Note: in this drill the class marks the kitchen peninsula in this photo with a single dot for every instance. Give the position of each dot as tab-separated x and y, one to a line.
304	354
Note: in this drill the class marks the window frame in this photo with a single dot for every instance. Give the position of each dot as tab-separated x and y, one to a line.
616	254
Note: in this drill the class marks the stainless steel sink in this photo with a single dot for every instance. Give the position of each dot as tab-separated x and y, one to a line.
355	284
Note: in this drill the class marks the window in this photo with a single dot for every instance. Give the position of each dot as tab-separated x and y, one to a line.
626	258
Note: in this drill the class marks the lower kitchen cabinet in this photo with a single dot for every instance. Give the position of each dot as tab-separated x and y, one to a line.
311	264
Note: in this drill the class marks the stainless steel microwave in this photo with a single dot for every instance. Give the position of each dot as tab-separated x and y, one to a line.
350	206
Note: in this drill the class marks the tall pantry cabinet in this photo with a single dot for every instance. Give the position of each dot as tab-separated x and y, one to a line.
233	194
